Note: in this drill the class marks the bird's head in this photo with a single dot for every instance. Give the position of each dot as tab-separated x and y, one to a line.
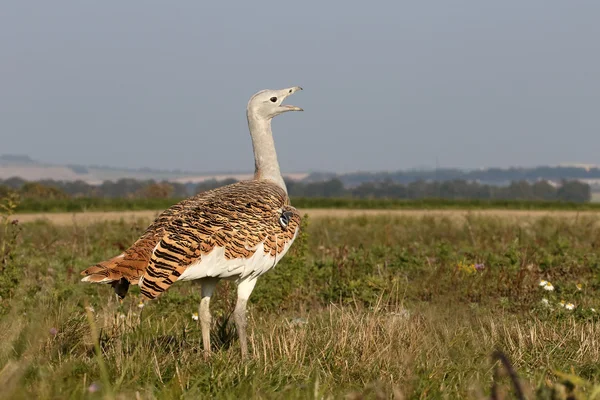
267	103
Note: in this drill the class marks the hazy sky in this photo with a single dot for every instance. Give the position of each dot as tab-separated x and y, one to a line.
387	85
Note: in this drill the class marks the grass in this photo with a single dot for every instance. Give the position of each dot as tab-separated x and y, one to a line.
120	204
363	307
458	214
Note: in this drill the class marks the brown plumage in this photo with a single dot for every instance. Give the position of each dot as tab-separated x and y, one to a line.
132	263
236	217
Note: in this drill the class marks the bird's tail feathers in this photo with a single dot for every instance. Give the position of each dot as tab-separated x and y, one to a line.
103	272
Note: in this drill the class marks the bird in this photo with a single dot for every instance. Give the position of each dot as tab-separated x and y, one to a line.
235	232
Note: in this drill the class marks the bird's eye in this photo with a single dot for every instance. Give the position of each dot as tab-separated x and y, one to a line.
290	91
273	99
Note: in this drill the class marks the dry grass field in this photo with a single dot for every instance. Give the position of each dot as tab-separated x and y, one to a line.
379	304
519	215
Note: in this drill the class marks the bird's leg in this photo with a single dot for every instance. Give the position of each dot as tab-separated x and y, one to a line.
245	288
208	287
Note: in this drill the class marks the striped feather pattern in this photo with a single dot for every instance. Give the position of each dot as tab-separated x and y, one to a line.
133	262
236	219
239	220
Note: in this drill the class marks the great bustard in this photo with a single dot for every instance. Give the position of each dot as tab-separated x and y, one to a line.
236	232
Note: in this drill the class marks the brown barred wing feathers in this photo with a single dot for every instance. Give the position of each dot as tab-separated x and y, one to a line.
242	230
132	264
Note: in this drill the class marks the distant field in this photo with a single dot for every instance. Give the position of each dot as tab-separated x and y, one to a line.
596	197
100	204
33	171
88	217
405	304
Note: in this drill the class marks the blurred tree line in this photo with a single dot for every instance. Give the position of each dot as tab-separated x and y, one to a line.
573	191
494	176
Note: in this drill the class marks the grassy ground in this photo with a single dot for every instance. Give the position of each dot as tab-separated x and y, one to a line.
364	307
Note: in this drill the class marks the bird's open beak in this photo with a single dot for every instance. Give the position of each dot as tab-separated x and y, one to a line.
291	108
289	92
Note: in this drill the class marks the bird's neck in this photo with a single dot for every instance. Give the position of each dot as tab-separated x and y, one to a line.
265	156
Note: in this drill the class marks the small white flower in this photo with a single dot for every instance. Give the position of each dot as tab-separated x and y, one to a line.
121	316
543	282
579	286
592	309
562	303
141	304
545	302
549	287
90	309
570	306
195	316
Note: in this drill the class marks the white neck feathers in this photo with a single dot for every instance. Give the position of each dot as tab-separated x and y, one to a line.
265	156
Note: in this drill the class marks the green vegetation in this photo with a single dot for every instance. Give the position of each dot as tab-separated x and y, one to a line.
433	204
9	272
567	191
106	204
573	191
369	307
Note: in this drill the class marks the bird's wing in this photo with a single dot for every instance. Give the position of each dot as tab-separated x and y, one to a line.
243	220
132	263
